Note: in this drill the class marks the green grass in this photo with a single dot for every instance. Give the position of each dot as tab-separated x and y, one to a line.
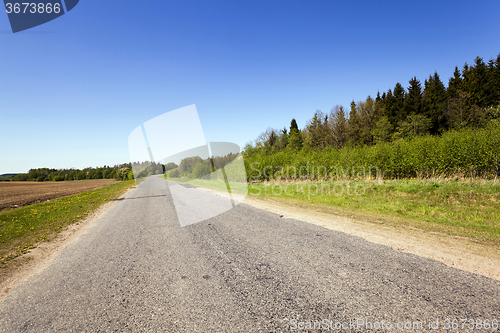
22	228
454	207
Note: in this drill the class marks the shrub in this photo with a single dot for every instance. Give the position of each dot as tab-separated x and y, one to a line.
201	170
466	152
20	177
174	173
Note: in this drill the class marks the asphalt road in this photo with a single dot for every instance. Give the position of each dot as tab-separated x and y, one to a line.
246	270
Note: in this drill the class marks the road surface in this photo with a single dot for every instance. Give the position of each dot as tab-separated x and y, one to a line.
246	270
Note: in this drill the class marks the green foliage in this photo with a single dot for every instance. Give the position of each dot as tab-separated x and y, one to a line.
174	173
467	152
201	170
366	113
337	127
170	166
399	113
434	102
382	130
186	166
46	174
20	177
413	99
415	124
317	131
295	140
124	173
353	126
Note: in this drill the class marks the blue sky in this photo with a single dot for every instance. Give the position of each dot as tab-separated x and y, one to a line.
73	89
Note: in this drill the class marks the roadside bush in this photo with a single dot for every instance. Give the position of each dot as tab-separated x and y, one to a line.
467	152
174	173
201	170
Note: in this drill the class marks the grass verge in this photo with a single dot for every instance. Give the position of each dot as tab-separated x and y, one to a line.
463	208
21	229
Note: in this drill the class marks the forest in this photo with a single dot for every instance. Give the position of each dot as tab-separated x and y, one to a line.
423	130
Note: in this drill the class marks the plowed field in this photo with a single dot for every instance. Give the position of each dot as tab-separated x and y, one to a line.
18	194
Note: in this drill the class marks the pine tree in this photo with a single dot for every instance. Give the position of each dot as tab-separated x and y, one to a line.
390	109
496	82
434	102
282	141
490	84
337	126
295	138
478	85
272	139
413	99
353	126
316	131
293	125
454	84
399	100
492	97
379	109
366	114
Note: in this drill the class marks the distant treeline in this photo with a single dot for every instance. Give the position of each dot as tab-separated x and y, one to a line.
118	172
210	168
399	120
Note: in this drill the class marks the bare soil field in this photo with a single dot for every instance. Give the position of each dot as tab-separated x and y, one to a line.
18	194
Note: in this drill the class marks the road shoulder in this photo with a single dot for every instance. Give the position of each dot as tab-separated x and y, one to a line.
38	258
456	252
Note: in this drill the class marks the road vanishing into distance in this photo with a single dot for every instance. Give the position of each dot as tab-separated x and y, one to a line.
247	270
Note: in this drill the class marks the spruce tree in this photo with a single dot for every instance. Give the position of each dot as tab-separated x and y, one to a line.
454	84
293	125
434	102
366	114
295	138
413	99
316	131
353	126
478	85
338	126
399	100
496	82
389	108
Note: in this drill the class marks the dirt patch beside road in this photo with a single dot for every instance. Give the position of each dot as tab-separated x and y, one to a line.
19	194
